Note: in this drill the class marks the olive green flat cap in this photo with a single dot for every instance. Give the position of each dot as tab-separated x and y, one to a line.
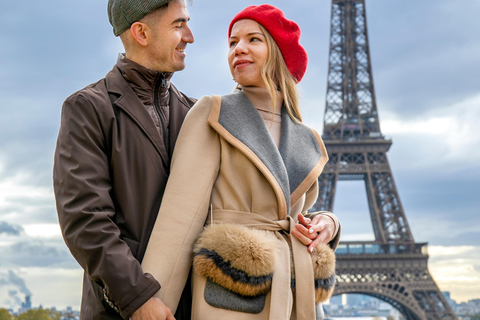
123	13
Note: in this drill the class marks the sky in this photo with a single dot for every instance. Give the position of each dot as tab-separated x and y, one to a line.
426	63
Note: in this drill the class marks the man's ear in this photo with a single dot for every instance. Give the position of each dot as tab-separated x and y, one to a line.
140	33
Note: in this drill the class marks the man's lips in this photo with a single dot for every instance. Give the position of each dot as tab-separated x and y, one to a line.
240	63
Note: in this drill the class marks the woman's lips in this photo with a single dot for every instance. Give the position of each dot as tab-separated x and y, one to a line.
241	63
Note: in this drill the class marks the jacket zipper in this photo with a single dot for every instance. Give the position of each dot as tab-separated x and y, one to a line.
157	108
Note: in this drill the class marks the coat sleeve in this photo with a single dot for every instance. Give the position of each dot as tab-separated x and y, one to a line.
86	210
184	208
310	199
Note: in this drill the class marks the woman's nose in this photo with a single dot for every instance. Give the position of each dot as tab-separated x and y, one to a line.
241	48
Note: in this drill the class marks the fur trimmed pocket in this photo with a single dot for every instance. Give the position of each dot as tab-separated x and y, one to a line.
238	258
323	260
219	297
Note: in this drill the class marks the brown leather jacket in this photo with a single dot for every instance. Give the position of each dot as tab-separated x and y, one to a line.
110	170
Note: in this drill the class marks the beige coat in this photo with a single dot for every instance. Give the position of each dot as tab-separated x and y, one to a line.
226	160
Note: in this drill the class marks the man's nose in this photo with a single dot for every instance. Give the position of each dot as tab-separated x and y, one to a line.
188	35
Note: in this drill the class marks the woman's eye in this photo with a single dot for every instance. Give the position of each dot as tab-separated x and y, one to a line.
232	43
254	39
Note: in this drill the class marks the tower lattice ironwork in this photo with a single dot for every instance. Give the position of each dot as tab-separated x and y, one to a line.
393	267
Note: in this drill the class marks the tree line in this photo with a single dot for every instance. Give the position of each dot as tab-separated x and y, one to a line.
38	314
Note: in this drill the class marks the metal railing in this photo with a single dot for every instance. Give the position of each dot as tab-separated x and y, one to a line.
373	247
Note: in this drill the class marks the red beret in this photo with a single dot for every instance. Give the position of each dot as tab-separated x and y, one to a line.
286	34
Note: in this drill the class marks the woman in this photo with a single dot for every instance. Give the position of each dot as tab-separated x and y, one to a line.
245	165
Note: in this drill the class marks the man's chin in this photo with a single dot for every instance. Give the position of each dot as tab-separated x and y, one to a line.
174	67
180	66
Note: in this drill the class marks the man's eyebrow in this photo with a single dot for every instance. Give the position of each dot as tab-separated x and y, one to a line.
181	20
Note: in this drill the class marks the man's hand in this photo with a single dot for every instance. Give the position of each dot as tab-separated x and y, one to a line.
153	309
313	232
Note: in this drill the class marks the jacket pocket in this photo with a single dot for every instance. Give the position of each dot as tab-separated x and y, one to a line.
323	261
219	297
236	257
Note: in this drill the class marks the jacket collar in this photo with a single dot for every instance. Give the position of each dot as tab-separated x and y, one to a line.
292	168
142	80
122	95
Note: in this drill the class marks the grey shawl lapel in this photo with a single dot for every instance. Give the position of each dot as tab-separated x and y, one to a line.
298	161
300	151
239	117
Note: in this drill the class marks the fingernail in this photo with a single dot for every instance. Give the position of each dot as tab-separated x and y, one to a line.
309	226
310	230
311	250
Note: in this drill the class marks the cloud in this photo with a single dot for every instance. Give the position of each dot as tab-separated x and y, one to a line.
445	232
456	269
13	294
12	284
440	210
12	278
36	252
53	287
452	131
22	196
427	62
6	228
43	230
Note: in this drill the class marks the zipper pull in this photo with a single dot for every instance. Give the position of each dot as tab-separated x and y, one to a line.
163	81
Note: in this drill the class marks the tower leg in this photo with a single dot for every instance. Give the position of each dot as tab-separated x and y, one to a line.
401	280
326	192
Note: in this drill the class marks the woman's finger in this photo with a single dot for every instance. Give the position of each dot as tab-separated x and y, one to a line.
303	239
303	220
321	238
303	230
316	227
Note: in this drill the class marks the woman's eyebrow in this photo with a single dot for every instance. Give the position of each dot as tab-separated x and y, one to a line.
249	34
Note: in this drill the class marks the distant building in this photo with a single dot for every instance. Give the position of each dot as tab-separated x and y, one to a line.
336	300
27	305
466	309
451	302
70	314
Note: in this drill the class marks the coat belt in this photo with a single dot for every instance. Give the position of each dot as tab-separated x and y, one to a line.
281	297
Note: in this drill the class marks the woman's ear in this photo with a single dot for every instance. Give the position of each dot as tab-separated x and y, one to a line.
139	31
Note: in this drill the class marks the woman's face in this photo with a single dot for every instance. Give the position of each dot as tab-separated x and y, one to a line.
248	53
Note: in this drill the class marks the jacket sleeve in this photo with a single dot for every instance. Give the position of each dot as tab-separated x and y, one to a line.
311	198
86	210
184	208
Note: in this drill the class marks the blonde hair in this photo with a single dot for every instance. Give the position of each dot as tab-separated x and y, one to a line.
276	76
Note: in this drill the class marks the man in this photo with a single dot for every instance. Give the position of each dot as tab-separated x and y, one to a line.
112	160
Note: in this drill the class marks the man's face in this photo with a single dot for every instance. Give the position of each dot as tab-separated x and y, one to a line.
169	38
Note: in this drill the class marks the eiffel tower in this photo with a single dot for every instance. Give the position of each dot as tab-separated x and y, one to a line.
393	267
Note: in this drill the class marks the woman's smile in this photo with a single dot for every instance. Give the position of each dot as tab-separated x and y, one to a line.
248	53
242	63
